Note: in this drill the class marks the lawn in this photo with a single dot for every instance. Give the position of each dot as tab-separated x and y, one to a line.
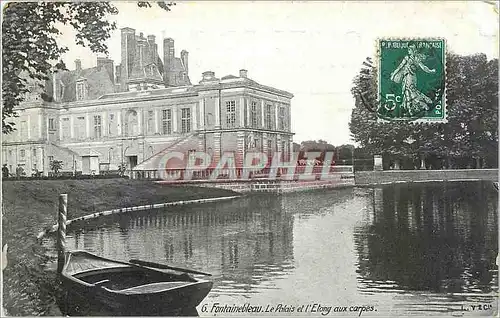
30	206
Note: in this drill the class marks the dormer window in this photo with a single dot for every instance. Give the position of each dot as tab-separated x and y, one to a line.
81	89
61	90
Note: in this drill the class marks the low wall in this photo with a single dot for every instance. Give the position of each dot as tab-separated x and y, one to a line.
276	186
390	176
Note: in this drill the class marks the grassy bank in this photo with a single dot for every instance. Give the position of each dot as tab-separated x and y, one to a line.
30	206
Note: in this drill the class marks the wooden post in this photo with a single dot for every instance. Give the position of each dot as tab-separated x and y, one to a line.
61	231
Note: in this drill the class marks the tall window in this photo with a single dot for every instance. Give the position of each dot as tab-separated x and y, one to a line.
230	113
52	124
22	154
80	127
51	158
269	116
111	125
97	126
166	119
185	120
150	122
80	90
269	147
65	128
281	118
284	150
34	152
131	123
110	155
23	130
253	114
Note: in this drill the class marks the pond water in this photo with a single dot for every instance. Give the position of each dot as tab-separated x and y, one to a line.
397	250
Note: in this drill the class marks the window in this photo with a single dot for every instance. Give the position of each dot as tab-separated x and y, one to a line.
150	122
23	130
80	90
111	125
269	147
51	158
131	123
22	153
185	120
52	124
230	113
61	89
245	114
166	119
65	128
110	155
34	152
97	126
253	114
269	116
281	118
80	127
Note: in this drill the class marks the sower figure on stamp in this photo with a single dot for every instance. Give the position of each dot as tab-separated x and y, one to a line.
406	73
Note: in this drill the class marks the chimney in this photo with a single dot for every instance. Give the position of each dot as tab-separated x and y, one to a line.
78	64
208	75
152	49
127	52
108	65
151	39
168	58
184	58
118	73
243	73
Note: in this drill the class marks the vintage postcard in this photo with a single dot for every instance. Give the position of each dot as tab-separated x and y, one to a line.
239	159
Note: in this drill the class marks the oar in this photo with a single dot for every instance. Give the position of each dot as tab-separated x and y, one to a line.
163	266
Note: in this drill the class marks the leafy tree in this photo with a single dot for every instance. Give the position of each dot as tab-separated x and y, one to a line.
56	166
471	131
122	168
30	51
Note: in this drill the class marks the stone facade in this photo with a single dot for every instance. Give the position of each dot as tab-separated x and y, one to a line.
99	118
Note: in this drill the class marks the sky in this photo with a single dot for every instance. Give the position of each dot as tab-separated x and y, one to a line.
311	49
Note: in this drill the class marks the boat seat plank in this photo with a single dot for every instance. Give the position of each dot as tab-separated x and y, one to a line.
154	288
102	282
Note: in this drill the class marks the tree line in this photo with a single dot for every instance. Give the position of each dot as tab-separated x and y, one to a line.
468	140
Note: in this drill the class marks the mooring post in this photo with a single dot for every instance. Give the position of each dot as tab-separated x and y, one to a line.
61	231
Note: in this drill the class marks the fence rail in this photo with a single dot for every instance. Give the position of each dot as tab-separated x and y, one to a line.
246	173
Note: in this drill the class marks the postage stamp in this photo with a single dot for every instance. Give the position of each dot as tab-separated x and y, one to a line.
411	80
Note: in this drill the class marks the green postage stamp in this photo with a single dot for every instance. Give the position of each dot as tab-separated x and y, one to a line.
411	80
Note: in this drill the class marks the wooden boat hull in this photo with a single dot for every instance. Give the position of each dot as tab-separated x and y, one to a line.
85	301
93	285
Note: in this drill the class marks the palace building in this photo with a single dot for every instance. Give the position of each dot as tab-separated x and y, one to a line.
96	119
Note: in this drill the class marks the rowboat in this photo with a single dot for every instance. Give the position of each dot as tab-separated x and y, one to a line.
97	285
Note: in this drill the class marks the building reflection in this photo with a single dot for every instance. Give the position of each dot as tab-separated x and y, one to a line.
243	242
438	237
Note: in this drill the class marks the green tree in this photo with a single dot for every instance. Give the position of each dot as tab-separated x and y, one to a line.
122	168
56	166
471	131
29	47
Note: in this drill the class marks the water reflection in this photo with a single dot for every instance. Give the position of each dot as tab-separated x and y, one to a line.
231	241
402	248
438	237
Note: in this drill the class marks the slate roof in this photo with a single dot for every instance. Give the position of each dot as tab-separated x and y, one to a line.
175	69
98	83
